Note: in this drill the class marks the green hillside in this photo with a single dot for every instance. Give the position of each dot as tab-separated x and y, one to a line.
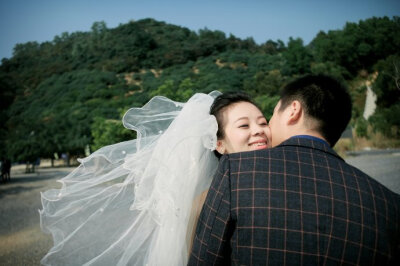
63	95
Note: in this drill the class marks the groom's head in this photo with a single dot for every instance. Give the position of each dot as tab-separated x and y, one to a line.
316	105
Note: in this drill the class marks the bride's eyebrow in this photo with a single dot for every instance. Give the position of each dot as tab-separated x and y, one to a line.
241	118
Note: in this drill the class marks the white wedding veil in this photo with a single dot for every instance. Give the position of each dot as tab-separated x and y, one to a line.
131	203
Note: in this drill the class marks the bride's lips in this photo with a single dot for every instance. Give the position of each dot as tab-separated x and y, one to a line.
259	144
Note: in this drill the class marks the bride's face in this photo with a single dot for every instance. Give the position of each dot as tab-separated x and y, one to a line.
245	128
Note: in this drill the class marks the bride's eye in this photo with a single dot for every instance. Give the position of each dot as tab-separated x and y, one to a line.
244	126
263	122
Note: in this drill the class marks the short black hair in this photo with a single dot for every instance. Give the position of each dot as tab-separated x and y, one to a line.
324	99
222	102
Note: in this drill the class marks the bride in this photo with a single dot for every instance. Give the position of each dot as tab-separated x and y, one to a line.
137	202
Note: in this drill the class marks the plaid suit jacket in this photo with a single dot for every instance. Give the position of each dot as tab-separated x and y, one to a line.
296	204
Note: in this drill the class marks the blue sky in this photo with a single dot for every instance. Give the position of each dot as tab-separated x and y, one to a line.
41	20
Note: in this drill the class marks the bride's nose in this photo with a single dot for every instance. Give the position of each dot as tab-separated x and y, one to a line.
258	130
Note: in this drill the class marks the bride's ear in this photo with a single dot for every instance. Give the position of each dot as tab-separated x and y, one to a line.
220	147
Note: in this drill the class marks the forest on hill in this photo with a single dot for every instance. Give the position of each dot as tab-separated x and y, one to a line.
68	95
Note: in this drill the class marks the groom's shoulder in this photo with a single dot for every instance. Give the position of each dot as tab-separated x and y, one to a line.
257	154
250	158
239	156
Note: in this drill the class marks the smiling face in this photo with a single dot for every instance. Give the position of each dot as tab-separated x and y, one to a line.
245	128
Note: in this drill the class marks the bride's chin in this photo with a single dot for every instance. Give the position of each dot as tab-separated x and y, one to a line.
263	147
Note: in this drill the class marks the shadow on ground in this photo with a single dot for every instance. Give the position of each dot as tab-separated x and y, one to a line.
20	183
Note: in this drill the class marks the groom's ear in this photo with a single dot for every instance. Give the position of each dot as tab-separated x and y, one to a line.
295	112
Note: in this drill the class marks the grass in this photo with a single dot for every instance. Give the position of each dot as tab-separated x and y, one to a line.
372	141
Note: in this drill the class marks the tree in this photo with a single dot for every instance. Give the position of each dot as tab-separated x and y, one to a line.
268	84
386	86
272	47
386	118
359	46
330	68
109	131
267	104
298	58
210	42
53	92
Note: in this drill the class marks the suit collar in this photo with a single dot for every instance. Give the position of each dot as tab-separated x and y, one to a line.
309	143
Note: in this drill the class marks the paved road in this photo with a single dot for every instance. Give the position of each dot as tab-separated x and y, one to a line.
23	243
21	240
383	165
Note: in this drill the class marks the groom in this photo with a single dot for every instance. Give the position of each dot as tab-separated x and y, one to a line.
298	203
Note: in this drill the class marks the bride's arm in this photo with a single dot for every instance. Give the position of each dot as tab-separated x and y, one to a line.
194	216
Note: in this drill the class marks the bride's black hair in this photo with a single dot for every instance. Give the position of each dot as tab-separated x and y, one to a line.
221	103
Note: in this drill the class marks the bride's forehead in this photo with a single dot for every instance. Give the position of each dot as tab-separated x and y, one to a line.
240	109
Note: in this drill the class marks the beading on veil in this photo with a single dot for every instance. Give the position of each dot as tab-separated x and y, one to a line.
131	203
